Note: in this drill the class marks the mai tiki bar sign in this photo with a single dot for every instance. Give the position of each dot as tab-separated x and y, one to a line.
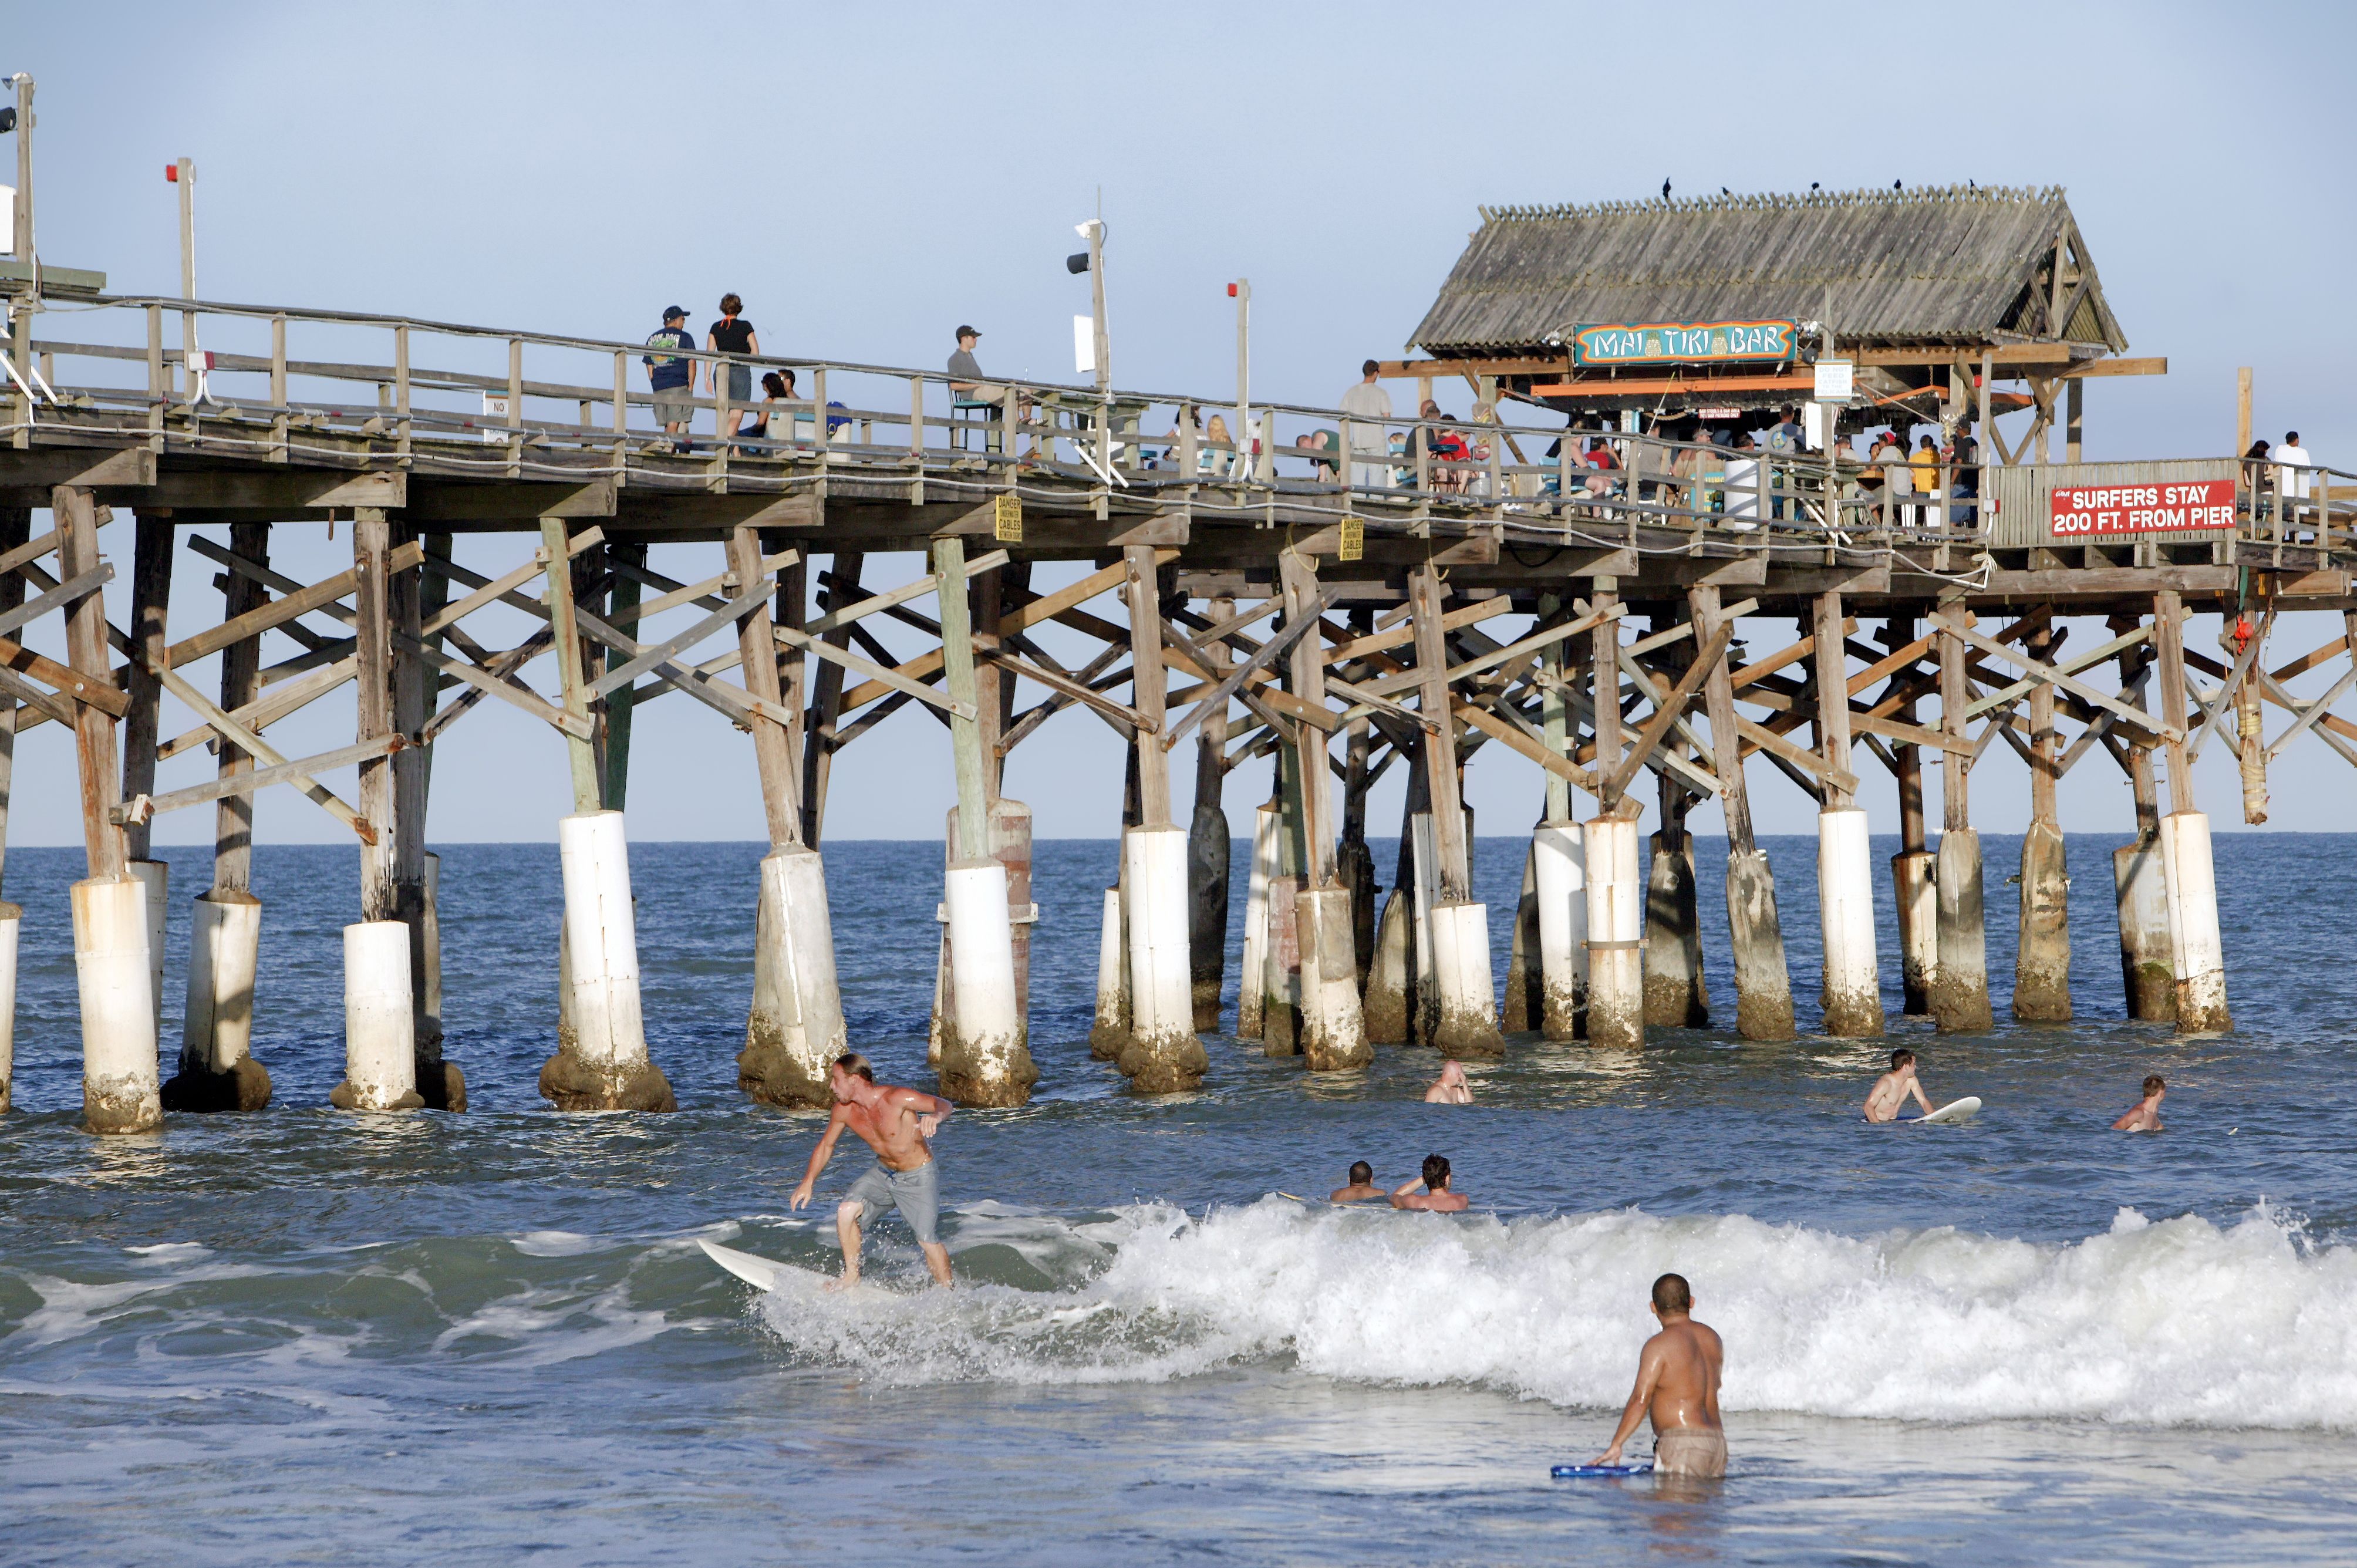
1682	342
2078	512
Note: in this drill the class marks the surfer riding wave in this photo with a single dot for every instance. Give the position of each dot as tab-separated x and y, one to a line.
895	1122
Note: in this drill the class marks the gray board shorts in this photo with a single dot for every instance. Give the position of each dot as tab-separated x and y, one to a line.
917	1194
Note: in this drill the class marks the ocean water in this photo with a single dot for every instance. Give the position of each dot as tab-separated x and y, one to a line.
304	1336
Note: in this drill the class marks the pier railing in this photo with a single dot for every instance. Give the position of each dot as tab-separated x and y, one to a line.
340	388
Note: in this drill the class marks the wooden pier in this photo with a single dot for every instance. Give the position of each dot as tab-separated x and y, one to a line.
1640	614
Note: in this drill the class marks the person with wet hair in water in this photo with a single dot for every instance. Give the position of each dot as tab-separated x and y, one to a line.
1449	1088
1362	1185
1677	1385
1890	1091
2144	1116
1437	1197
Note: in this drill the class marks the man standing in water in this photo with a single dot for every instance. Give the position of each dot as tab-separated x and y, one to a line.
2145	1115
1449	1088
1677	1385
1891	1089
1435	1197
895	1122
1362	1185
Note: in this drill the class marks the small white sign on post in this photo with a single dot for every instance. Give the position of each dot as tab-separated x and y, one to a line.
495	417
1836	381
1084	344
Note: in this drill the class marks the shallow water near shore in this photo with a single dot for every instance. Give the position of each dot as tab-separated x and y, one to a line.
306	1336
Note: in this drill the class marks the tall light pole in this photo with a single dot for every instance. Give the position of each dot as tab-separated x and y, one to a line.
1099	344
20	315
183	173
1240	292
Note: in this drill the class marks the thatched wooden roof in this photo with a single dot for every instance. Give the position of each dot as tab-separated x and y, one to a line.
1953	265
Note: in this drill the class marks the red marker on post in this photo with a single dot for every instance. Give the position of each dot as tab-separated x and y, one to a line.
172	174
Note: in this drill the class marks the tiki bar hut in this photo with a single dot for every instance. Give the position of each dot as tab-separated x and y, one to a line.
1951	305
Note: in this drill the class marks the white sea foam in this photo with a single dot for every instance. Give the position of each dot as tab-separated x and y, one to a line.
2180	1321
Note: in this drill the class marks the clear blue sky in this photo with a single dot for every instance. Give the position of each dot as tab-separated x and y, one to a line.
869	177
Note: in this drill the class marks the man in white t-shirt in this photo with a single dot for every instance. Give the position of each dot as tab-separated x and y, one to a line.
1369	402
2292	465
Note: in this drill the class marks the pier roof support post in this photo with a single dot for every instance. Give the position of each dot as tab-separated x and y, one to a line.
826	698
1763	985
622	702
1853	993
1162	1054
985	1054
2198	954
2041	974
16	528
217	1070
1465	1021
151	593
1676	994
1333	1023
1960	1000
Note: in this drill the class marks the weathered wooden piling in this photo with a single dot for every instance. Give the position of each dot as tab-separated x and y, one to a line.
1466	1016
2139	880
1333	1029
1853	994
1764	984
2041	974
1960	1000
1267	851
1208	849
1676	996
2198	955
1913	881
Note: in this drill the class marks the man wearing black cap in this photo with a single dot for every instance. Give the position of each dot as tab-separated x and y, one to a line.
965	371
672	376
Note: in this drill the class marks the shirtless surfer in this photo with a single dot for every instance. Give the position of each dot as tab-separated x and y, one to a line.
2145	1115
1891	1089
1362	1185
1449	1088
1677	1385
1436	1197
895	1122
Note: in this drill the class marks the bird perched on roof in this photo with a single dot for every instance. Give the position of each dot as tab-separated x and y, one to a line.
1813	184
1665	190
1724	191
1895	185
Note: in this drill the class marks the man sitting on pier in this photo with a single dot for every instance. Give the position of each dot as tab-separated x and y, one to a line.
895	1122
1677	1385
1891	1089
2145	1115
1435	1197
1362	1185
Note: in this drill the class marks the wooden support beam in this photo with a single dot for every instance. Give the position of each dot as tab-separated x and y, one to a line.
956	664
1455	880
151	594
103	838
262	752
2037	672
573	686
242	785
757	646
1833	696
1665	714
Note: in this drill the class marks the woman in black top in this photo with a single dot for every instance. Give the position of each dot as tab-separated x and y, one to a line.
733	335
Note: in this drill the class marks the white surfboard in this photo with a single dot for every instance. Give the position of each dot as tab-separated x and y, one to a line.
770	1276
1953	1111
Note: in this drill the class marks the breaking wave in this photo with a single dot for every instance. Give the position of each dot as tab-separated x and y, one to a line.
2177	1322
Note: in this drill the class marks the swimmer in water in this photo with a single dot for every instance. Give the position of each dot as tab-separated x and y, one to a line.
1362	1185
1677	1385
1437	1197
1891	1089
2145	1115
1449	1088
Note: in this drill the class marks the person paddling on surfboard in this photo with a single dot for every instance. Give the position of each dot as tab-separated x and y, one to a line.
1436	1196
1362	1185
1891	1089
1677	1385
2145	1115
895	1122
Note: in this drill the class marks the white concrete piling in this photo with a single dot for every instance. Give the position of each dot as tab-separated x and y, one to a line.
1959	994
1466	1015
120	1091
795	1027
601	1061
1333	1026
2200	957
380	1021
1914	885
1853	997
986	1055
2147	962
217	1070
1561	855
1109	1030
156	876
1163	1054
11	917
1266	824
1388	1005
2041	971
1615	902
1280	976
1424	851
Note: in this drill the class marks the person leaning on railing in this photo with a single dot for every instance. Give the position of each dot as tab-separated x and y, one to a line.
1964	483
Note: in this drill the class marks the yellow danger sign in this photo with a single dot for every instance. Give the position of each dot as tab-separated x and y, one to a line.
1007	517
1354	538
